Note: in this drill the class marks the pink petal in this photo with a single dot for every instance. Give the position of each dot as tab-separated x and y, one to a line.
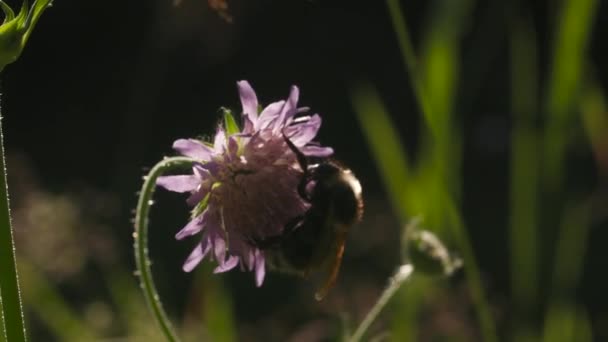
288	110
193	148
229	264
219	249
260	268
196	256
269	114
182	183
233	146
248	126
194	226
249	100
317	151
219	143
303	133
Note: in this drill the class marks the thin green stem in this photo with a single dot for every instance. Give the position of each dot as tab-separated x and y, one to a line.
142	259
2	327
403	273
9	281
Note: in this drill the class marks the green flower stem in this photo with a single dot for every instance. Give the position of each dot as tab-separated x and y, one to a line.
142	260
403	273
14	326
2	328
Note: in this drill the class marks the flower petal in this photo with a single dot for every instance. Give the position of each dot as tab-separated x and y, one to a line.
219	248
181	183
250	259
288	110
194	226
303	133
211	168
260	268
193	148
196	256
248	125
269	114
197	196
233	147
219	143
249	100
316	151
229	264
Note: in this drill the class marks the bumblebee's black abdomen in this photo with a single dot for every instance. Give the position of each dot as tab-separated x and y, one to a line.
345	203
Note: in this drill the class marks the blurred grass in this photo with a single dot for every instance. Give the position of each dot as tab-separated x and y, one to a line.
524	174
564	87
570	249
385	143
216	304
431	188
566	322
49	306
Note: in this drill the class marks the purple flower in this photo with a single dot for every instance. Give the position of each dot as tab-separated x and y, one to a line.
244	185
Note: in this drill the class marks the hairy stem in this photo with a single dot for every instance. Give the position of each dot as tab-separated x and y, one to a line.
14	327
140	236
403	273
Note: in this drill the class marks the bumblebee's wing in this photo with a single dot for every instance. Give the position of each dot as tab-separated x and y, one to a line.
334	265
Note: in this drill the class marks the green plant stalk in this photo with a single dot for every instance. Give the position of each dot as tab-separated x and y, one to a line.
9	281
140	236
2	328
524	172
403	274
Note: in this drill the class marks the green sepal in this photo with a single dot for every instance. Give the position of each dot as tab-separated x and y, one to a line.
230	123
8	12
202	205
16	30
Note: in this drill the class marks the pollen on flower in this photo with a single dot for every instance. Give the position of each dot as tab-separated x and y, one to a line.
243	186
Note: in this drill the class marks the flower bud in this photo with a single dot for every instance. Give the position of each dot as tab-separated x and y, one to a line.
428	254
15	30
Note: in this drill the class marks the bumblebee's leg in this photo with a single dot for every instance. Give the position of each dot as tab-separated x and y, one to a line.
275	241
269	242
303	162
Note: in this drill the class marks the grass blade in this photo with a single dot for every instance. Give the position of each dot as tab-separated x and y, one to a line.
524	172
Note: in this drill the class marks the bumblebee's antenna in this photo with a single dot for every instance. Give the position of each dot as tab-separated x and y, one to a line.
303	164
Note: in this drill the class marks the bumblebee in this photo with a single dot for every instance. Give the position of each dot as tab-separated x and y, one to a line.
315	240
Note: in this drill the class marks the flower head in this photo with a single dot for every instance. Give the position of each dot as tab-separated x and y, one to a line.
244	185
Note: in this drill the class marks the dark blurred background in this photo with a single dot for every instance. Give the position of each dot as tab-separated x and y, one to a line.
104	88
